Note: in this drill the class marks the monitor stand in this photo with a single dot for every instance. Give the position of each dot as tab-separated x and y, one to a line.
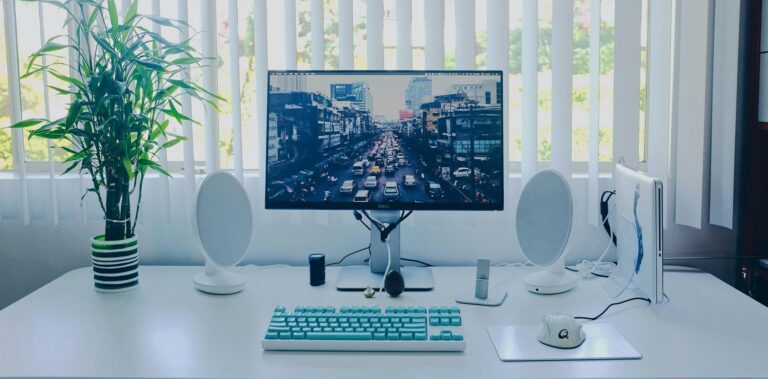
358	278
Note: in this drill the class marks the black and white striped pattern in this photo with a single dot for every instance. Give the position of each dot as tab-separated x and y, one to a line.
115	264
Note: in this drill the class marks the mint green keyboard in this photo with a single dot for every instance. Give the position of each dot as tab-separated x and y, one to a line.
325	328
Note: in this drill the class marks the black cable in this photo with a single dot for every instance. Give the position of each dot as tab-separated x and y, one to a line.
359	217
595	274
348	255
609	307
416	261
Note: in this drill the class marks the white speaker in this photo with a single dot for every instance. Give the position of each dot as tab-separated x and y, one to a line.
222	222
544	219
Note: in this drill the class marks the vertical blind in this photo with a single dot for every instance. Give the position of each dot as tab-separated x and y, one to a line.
690	96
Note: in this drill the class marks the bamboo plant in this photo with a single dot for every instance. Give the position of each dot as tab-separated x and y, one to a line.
123	79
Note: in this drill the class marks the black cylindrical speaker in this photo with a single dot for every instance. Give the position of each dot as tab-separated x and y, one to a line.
316	269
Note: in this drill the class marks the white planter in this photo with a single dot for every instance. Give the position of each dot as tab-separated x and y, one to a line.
115	264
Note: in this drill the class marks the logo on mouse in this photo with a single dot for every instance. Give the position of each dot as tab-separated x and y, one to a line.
563	334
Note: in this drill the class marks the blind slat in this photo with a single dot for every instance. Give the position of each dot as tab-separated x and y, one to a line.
234	84
186	105
73	60
404	45
165	187
691	110
290	34
562	85
14	97
434	47
498	35
626	81
318	35
346	48
374	13
47	105
465	40
593	189
724	95
210	83
659	91
530	59
261	47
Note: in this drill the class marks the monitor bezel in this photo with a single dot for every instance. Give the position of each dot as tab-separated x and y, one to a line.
397	206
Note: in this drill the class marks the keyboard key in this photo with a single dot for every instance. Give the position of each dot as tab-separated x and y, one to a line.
284	335
446	335
272	335
455	310
455	321
339	336
279	309
379	336
299	336
458	337
393	336
279	329
445	321
406	336
420	336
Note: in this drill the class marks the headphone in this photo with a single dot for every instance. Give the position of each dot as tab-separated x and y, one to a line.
604	213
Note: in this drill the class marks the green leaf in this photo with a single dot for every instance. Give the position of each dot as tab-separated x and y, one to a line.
113	14
68	79
27	123
70	168
159	130
150	65
128	167
173	142
105	45
50	46
131	11
154	166
72	114
78	156
186	60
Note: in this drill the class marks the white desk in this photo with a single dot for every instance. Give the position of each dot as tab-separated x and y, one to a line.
168	329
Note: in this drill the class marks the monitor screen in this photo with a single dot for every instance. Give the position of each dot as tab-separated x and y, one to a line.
403	140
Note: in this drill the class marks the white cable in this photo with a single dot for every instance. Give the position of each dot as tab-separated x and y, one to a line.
610	241
251	267
389	263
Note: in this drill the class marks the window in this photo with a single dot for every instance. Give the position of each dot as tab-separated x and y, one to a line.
35	98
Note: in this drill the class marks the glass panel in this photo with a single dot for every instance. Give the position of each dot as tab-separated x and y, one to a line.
515	100
605	132
6	157
545	81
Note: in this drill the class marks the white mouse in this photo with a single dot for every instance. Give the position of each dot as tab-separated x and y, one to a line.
562	332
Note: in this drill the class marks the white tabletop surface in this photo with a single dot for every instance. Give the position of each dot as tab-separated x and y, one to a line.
166	328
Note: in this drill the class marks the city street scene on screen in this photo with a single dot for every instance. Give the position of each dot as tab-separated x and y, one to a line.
399	140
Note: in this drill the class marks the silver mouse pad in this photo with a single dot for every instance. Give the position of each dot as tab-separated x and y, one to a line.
520	343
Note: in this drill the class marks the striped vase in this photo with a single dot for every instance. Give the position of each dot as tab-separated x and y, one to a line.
115	264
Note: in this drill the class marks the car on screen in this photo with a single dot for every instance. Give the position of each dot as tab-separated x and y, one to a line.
357	168
348	186
371	182
362	196
390	191
376	170
464	172
435	190
390	169
409	180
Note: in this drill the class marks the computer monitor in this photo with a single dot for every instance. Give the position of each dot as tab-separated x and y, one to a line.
385	140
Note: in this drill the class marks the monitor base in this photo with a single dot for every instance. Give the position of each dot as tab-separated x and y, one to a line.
358	278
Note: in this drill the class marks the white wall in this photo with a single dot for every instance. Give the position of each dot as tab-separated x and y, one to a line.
31	256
